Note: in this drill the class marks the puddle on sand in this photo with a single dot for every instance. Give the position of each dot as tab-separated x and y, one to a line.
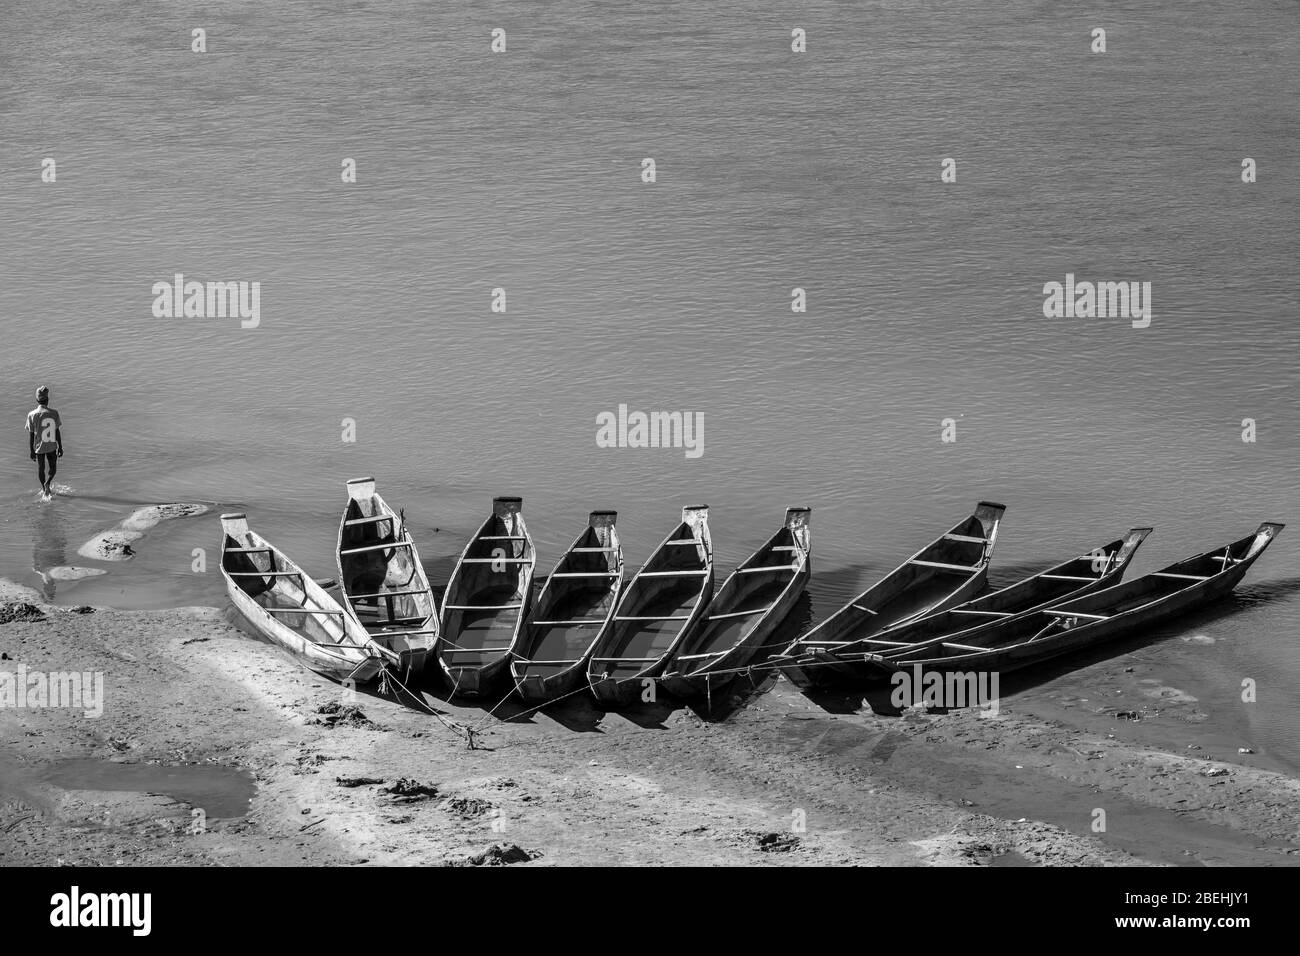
1011	858
221	792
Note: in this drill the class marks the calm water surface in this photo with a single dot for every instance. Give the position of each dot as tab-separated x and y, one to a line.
774	171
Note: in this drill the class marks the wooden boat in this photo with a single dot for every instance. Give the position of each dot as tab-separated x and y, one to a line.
1139	605
951	569
748	608
487	601
1100	568
292	610
660	608
572	611
381	578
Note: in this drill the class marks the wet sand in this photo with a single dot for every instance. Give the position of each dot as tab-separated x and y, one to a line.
781	781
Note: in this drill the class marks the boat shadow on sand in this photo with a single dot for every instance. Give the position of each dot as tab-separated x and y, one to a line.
1246	597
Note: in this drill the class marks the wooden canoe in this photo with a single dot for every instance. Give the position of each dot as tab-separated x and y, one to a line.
382	579
1093	571
751	604
660	608
292	610
487	601
1139	605
951	569
575	605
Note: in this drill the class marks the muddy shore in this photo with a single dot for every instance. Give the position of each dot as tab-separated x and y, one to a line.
780	781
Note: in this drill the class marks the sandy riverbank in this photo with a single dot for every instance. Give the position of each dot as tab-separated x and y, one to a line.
186	687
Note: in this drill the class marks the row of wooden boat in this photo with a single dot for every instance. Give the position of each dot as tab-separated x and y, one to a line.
588	626
1080	604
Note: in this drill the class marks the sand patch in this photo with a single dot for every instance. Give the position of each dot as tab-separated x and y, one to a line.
1170	694
70	572
115	543
9	591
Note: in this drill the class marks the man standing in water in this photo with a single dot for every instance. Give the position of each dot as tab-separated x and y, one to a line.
45	439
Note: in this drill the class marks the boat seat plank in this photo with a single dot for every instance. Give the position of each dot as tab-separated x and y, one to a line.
581	620
1222	557
248	550
624	660
375	519
1183	577
1066	577
481	607
592	550
944	566
521	664
384	594
502	537
1091	617
376	547
299	610
847	643
681	617
496	560
265	574
673	574
586	574
965	537
757	610
963	647
769	569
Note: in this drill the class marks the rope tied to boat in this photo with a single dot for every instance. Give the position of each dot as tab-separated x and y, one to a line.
456	728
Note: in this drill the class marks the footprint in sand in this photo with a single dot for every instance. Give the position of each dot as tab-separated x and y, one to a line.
115	544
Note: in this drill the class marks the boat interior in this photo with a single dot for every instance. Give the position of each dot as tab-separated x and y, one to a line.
927	579
744	598
576	600
276	584
659	602
1055	584
1094	608
489	590
380	570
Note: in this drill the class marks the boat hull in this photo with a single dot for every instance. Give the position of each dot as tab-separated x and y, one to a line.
701	684
1084	637
341	663
674	585
813	676
382	579
571	614
538	689
949	571
1084	623
486	603
842	669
